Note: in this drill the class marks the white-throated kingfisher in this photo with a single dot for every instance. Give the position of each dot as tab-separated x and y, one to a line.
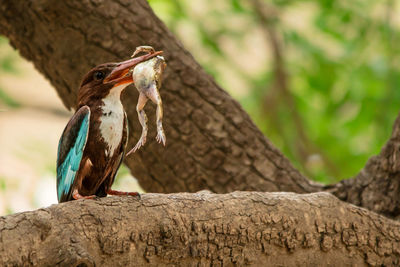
92	145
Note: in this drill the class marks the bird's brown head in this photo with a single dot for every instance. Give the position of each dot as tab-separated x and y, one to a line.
99	81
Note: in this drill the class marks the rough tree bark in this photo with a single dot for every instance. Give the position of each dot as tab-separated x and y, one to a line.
212	143
202	229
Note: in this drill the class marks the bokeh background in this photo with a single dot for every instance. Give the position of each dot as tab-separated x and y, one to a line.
320	78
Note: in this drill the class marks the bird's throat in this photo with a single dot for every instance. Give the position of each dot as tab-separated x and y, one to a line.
112	120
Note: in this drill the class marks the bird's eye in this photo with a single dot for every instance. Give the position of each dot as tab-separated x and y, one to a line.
98	75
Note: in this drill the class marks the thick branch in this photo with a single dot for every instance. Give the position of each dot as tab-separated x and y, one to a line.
202	229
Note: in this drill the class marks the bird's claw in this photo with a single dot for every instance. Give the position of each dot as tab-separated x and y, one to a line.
122	193
134	194
76	195
145	49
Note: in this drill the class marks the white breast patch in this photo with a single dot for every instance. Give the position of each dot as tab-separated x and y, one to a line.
112	120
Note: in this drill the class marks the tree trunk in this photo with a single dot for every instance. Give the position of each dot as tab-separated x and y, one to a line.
202	229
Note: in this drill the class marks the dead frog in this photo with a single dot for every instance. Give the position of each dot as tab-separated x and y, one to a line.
147	79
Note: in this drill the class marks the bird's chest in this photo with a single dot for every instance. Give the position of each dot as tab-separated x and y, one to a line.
111	124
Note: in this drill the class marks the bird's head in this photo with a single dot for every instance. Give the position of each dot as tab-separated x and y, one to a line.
103	79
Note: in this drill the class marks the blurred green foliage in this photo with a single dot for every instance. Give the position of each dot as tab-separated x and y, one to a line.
7	64
341	60
2	184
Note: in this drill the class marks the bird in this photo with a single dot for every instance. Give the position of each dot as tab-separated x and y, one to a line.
93	143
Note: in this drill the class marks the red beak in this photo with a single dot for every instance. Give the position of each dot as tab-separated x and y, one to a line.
119	75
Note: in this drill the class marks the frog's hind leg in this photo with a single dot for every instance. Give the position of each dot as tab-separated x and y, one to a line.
143	121
155	97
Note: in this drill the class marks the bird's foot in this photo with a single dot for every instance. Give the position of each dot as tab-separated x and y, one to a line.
77	196
161	136
139	144
122	193
144	48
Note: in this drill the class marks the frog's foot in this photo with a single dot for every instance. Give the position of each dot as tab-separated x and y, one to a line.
161	136
139	144
145	49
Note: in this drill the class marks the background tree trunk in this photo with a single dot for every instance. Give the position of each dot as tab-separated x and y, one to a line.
202	229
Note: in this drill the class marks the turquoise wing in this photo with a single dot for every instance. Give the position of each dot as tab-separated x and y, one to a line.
70	151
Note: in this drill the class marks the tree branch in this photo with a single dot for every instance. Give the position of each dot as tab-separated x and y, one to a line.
201	229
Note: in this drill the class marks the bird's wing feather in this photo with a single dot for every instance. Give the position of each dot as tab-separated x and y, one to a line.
70	152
